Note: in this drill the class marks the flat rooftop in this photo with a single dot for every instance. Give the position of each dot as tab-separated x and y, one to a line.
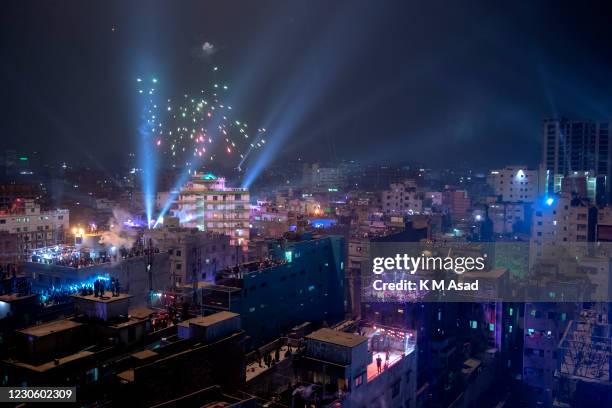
372	370
52	364
127	375
470	365
48	328
129	322
337	337
210	320
144	354
140	312
14	297
107	298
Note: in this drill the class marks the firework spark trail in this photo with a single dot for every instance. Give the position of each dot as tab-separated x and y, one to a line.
195	129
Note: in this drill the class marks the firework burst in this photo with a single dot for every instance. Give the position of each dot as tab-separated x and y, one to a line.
199	128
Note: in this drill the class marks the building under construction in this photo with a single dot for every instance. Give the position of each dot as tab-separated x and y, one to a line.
584	362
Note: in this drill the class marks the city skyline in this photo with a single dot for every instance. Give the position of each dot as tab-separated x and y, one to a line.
306	204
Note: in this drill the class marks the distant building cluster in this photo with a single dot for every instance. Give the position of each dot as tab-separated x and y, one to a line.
259	297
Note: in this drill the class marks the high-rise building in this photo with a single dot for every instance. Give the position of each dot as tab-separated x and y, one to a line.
206	203
578	147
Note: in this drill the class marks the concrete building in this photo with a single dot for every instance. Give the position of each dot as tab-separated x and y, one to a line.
193	254
206	203
67	351
110	352
402	198
9	250
378	370
508	217
604	224
515	184
11	192
301	281
544	325
34	227
53	272
358	254
267	221
560	224
456	202
206	351
324	178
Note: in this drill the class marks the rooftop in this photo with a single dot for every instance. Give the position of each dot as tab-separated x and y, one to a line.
14	297
337	337
140	312
127	375
209	320
107	298
48	328
59	362
585	351
125	323
144	354
470	365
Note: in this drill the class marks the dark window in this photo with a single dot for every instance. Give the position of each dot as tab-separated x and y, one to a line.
395	389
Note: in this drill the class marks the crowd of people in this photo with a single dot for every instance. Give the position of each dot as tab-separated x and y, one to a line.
56	296
239	271
75	258
64	293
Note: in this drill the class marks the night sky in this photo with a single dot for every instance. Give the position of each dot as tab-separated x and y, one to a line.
461	82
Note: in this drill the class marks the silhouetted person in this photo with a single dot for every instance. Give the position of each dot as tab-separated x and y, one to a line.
258	357
379	363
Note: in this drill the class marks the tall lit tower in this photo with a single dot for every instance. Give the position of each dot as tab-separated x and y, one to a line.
578	148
